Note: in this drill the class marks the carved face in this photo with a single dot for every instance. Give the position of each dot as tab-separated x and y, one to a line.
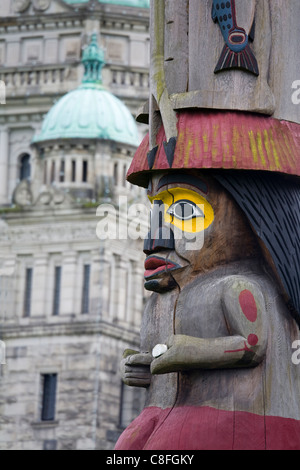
195	226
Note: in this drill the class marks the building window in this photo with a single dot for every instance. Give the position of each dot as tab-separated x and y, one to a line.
132	402
73	171
28	291
50	444
48	399
52	177
125	416
57	287
25	169
45	172
84	171
116	174
86	288
62	171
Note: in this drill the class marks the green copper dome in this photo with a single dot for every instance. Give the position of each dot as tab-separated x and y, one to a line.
128	3
90	111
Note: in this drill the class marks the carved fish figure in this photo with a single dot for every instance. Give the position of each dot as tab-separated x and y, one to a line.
236	52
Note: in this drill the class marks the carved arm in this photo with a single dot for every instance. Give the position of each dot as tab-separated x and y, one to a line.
245	346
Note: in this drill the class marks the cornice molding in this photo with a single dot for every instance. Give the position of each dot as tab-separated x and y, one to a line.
77	328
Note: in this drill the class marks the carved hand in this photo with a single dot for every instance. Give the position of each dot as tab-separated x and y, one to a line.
135	368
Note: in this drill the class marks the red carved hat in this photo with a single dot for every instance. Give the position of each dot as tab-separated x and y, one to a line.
217	141
221	140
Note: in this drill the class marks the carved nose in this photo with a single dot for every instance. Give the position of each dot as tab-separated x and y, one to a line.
163	239
160	237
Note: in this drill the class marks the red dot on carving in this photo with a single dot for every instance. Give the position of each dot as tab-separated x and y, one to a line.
252	340
248	305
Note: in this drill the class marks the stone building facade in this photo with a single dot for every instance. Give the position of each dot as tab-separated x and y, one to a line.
70	300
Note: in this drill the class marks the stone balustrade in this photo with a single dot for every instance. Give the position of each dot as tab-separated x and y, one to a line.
59	79
38	80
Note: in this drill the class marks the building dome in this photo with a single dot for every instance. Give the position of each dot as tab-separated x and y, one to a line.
90	111
128	3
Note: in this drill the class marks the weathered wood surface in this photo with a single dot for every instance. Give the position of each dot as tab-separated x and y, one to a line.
225	311
227	380
224	140
176	51
158	86
284	61
193	44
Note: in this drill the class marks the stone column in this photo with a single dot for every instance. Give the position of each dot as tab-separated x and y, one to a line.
137	304
121	293
79	169
113	289
68	283
100	284
37	172
39	285
8	293
131	289
68	170
4	136
95	286
49	165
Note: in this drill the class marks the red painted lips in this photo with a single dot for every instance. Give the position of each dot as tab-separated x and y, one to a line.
155	265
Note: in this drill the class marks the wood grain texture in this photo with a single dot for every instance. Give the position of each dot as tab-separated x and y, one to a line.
159	94
226	310
176	45
231	140
256	394
229	334
272	205
284	64
232	89
231	431
191	44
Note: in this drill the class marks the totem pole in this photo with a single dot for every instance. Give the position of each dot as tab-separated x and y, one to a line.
222	165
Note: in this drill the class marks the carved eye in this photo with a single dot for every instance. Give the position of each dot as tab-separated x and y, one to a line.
185	210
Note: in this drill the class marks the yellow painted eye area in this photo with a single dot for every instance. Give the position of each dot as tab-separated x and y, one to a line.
185	209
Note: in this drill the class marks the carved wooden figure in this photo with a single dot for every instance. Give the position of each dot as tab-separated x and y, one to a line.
226	379
222	165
